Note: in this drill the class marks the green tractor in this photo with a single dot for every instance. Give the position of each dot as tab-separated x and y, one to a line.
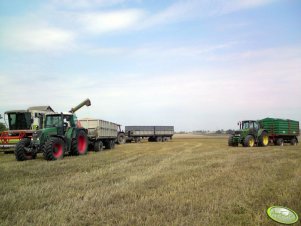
61	134
251	133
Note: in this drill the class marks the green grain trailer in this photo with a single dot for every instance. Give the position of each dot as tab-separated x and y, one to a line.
281	130
265	131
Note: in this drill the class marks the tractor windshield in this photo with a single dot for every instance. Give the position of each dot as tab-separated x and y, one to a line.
19	120
53	121
250	125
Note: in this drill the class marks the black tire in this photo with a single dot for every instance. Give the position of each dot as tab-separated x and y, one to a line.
249	141
230	140
294	141
121	138
110	144
54	149
79	145
279	141
20	152
137	139
165	139
159	139
231	143
98	146
263	139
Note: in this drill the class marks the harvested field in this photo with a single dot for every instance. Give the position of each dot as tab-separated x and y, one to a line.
187	181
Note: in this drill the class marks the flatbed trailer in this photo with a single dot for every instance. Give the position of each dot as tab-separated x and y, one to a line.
152	133
101	134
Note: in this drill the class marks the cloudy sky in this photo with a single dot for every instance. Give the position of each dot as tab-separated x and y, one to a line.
194	64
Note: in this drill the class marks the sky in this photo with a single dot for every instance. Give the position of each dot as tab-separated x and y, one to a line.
194	64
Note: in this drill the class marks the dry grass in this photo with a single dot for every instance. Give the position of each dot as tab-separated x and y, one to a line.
195	181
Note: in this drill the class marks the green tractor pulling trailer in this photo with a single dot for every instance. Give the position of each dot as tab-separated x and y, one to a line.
265	131
61	135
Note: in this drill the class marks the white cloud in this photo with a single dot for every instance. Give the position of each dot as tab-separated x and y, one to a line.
86	3
116	20
261	85
37	38
189	9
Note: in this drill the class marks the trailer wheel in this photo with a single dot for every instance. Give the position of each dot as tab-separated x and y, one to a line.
98	146
110	144
264	139
54	149
137	139
279	142
121	138
293	141
159	139
20	151
165	139
79	145
249	141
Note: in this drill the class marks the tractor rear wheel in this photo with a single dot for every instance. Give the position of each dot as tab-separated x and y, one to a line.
249	141
54	149
79	145
98	146
20	151
264	139
121	138
279	142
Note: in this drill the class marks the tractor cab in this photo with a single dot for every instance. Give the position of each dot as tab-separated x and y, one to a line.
250	124
62	121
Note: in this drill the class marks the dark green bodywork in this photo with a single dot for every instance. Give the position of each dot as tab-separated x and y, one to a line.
41	136
276	127
279	131
247	127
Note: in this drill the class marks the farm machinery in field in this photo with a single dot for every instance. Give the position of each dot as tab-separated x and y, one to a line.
21	124
61	134
265	131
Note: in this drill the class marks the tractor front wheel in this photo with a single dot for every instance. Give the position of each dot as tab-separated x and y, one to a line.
79	145
249	141
264	139
54	149
20	151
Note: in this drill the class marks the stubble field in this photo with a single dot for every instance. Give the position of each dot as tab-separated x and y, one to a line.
187	181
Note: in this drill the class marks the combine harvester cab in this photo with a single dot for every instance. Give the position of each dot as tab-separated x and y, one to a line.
61	135
22	124
265	131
